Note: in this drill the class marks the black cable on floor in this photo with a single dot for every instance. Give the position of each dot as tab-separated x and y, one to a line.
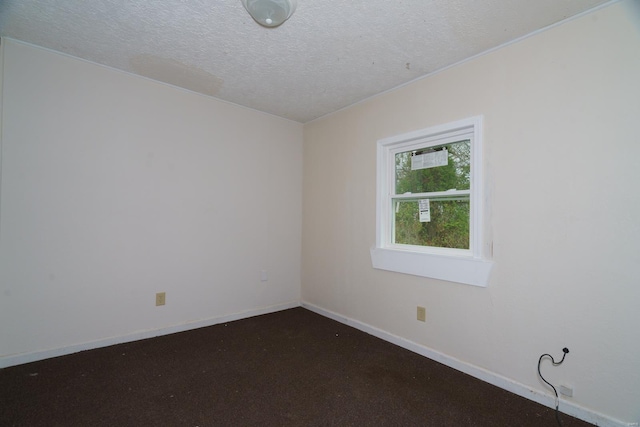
564	353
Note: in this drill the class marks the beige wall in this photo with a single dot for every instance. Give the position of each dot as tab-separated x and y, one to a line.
561	161
115	187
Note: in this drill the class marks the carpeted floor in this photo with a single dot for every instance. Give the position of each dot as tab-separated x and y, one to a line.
291	368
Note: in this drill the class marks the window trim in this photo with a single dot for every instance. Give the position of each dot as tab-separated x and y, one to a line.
457	265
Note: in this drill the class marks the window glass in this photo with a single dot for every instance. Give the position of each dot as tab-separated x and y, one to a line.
447	225
422	176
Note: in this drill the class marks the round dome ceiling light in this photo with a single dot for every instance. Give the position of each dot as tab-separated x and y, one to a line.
270	13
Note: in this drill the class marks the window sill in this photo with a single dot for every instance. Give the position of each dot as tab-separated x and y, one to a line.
469	271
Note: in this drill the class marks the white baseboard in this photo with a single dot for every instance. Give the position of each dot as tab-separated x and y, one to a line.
22	358
522	390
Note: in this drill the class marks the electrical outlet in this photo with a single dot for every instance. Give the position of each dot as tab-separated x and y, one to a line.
422	314
160	298
566	390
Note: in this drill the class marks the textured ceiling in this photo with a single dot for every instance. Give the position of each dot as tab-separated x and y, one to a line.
328	55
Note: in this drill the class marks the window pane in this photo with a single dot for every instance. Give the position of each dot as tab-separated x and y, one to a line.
425	178
448	225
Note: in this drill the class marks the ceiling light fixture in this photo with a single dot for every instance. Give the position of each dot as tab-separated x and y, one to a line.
270	13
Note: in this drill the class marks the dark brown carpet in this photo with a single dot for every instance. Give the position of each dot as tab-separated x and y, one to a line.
291	368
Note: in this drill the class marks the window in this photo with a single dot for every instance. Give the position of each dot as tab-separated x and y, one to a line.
429	204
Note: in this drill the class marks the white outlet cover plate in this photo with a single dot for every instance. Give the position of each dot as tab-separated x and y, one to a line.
566	390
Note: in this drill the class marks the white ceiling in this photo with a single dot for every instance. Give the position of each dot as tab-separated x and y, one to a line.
328	55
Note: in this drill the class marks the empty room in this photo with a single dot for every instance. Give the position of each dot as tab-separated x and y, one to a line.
281	212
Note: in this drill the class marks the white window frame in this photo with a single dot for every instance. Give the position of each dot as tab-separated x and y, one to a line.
456	265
